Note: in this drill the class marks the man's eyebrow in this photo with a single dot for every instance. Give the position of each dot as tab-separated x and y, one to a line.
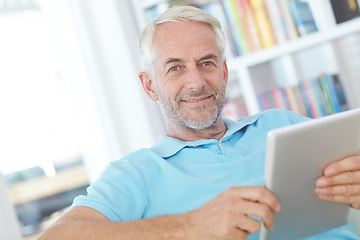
206	57
209	56
172	60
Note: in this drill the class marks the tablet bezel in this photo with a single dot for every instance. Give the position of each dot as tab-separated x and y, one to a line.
307	148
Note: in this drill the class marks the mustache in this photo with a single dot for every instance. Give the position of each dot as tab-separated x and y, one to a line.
194	94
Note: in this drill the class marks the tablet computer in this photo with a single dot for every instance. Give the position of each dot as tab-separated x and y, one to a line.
295	157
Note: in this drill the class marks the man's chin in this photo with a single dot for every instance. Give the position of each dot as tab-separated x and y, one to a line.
200	123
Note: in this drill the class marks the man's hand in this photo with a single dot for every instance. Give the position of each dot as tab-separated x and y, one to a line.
341	182
230	214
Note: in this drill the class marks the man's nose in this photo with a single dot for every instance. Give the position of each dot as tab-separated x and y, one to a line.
195	78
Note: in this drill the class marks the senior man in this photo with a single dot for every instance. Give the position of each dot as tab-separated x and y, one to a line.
204	179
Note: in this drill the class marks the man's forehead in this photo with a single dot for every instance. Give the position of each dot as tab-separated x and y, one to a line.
179	41
180	30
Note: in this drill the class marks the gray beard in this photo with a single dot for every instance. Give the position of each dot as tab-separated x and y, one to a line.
181	119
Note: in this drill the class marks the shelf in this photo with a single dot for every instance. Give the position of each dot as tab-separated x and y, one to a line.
315	39
44	186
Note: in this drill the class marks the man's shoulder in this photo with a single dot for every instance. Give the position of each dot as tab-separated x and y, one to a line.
273	118
136	155
282	115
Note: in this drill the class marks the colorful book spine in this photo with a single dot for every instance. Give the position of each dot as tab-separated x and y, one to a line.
243	15
240	26
250	25
262	101
276	21
262	22
291	99
332	92
303	18
287	19
278	98
231	19
316	96
340	93
216	9
327	95
323	98
234	109
313	98
308	103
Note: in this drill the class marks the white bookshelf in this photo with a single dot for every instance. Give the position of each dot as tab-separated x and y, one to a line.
291	61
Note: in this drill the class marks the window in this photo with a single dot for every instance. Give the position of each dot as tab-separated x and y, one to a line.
39	140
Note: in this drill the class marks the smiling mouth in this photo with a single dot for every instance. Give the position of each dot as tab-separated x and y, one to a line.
196	100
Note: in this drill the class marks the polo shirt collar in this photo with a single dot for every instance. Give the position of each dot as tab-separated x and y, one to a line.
168	146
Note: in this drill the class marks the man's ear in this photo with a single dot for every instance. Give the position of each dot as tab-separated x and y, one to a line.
225	72
148	85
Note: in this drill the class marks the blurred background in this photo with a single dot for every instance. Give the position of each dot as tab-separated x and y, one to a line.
71	100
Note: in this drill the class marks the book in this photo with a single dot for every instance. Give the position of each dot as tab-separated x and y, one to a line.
303	17
345	10
338	91
216	9
307	99
263	103
239	23
322	95
332	92
270	99
276	20
316	98
299	100
285	99
248	23
291	99
326	92
287	19
262	23
278	98
230	15
234	109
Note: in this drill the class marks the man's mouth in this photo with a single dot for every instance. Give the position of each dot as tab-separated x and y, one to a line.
195	100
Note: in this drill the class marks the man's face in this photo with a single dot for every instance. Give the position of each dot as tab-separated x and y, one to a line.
190	76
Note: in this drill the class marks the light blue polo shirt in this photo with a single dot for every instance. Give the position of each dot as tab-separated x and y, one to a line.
176	177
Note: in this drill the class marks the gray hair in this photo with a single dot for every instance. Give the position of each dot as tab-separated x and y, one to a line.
175	14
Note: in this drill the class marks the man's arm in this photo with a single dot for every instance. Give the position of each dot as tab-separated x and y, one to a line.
341	182
227	216
86	223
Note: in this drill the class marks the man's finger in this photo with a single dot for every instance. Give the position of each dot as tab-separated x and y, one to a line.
346	190
248	224
340	179
256	209
258	194
340	198
347	164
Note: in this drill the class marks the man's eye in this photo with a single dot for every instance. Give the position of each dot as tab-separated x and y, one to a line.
175	68
208	63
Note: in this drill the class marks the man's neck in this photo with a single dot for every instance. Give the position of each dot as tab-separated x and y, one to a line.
185	134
